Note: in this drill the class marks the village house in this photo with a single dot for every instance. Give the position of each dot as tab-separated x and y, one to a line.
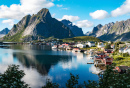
124	50
76	49
108	51
65	45
100	45
90	44
81	45
122	69
107	60
112	46
102	55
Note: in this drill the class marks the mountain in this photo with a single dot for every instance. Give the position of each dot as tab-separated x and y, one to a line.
76	30
113	31
88	33
4	32
40	25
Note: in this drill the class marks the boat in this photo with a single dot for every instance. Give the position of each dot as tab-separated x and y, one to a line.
85	52
76	50
54	47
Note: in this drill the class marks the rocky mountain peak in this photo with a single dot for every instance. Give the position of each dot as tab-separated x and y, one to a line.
40	25
113	31
66	22
75	29
99	26
4	31
44	13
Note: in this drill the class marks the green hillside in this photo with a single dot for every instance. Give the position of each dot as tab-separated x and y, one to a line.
82	38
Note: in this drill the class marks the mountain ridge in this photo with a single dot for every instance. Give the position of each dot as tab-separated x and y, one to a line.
37	26
4	32
75	29
112	31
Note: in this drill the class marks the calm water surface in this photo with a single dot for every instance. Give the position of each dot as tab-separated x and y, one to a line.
40	63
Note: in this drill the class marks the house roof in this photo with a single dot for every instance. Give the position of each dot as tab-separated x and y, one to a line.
100	53
106	57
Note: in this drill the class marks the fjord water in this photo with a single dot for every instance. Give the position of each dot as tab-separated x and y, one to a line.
40	63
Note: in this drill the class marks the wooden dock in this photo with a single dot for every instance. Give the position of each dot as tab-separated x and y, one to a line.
97	64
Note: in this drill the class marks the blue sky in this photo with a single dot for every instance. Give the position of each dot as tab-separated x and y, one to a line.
84	13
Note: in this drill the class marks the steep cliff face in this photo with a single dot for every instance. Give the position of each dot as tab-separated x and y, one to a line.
37	26
75	30
4	32
113	31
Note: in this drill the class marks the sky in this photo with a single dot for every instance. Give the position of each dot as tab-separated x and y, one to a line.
86	14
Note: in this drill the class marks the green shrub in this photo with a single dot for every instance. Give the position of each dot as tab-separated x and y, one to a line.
118	58
126	54
12	78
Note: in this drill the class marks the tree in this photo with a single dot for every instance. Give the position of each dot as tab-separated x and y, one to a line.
107	46
12	78
49	84
73	81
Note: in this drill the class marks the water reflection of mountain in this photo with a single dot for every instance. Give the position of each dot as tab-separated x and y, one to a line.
42	63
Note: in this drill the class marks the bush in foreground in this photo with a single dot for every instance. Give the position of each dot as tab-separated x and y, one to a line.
109	79
12	78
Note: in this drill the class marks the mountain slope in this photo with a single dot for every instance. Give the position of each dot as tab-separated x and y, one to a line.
113	31
4	32
40	25
76	30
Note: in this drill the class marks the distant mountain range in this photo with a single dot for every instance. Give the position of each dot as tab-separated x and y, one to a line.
40	25
4	32
75	29
112	31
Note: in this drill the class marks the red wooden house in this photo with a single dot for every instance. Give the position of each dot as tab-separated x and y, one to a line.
102	55
107	51
107	60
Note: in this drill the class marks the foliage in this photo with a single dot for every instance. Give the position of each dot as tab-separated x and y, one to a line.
49	84
82	38
108	79
12	78
125	61
88	48
125	54
108	46
73	81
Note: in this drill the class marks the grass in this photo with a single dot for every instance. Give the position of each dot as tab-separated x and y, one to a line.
81	38
88	48
120	60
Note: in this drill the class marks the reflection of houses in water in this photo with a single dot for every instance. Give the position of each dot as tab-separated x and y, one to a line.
96	70
41	62
80	56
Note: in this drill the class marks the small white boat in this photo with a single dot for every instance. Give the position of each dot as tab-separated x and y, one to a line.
85	52
54	47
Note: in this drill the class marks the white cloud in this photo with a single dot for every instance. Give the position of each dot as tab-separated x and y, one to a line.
99	14
17	11
123	9
84	23
9	21
59	5
65	8
70	18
